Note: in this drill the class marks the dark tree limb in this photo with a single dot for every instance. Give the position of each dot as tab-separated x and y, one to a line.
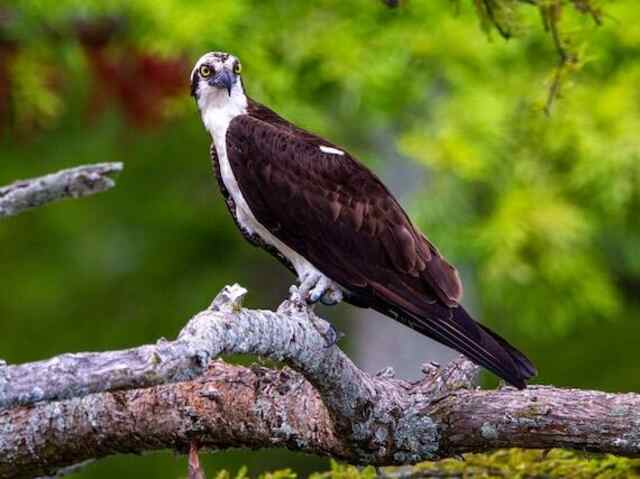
72	183
325	405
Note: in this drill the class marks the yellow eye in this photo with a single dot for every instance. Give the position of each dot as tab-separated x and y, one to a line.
237	68
205	71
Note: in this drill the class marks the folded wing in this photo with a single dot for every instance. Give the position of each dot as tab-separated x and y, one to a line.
336	213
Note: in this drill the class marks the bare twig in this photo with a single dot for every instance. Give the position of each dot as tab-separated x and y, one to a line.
194	466
72	183
489	9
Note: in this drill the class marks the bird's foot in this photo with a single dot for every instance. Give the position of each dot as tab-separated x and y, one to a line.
315	286
331	296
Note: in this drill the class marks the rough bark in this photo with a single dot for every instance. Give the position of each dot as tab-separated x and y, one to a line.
233	406
326	405
72	183
75	375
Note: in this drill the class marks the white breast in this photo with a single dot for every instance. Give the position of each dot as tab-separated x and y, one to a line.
217	122
246	218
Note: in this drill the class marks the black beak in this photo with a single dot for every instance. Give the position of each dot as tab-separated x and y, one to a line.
224	79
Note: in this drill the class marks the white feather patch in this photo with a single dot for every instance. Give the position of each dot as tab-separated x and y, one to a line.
218	109
331	151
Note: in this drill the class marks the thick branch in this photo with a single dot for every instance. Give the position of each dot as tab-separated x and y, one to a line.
327	407
72	183
256	407
224	328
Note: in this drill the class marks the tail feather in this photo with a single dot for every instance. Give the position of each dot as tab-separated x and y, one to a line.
524	364
459	331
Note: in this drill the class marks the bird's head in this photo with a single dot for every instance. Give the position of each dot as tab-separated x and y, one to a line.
215	81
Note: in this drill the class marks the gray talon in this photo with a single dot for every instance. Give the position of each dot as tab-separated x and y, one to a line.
331	297
316	287
327	301
314	297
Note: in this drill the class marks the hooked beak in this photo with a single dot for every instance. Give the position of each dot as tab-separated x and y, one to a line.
224	79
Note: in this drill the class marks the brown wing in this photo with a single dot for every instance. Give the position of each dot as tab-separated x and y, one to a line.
338	215
337	197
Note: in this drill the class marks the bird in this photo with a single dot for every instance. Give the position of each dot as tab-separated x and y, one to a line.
332	222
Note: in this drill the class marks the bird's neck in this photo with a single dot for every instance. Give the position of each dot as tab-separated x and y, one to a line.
218	108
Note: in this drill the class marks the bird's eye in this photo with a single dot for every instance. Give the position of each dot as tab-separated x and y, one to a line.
205	71
237	68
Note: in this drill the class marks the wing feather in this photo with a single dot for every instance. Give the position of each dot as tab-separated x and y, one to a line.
339	216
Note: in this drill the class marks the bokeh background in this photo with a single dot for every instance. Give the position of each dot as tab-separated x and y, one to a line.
538	210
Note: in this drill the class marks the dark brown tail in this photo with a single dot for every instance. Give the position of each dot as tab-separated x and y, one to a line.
457	330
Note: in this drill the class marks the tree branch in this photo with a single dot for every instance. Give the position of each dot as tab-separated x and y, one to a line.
72	183
326	405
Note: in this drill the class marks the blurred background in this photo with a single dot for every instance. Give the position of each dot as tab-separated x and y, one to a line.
538	210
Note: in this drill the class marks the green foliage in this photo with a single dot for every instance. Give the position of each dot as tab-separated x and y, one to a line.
568	31
242	474
542	195
539	211
345	471
521	464
507	463
283	474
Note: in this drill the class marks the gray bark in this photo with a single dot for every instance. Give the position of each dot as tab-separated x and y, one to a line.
72	183
325	405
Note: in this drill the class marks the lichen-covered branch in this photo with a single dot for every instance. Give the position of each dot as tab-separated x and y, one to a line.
232	406
224	328
324	405
75	375
72	183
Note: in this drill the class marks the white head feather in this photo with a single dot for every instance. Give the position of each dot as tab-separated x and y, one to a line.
217	105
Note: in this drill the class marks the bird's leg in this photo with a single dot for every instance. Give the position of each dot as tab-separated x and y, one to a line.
314	287
308	281
332	296
319	289
324	290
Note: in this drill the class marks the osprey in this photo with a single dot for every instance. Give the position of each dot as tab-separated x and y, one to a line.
331	221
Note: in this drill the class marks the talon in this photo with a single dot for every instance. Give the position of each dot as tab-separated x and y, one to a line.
307	282
320	288
313	298
331	297
314	287
327	301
